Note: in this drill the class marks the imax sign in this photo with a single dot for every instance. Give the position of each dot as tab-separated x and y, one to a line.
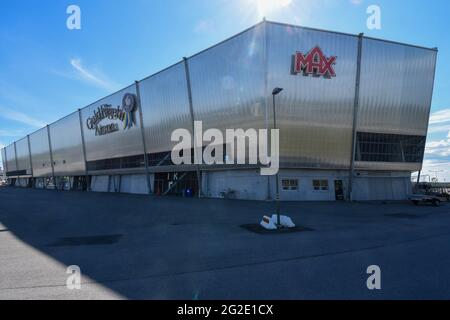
314	63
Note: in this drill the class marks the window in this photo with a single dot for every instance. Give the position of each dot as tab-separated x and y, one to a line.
16	173
290	185
321	185
117	163
377	147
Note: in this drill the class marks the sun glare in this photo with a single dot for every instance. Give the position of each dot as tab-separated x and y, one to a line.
266	7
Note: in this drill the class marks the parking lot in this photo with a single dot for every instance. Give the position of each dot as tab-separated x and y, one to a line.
141	247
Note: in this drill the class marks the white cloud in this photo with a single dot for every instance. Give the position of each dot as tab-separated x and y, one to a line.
356	2
441	116
440	121
438	129
92	76
438	148
437	152
203	26
432	164
9	114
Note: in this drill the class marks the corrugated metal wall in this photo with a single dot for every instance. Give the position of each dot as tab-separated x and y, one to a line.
11	163
165	107
40	154
23	156
5	168
228	83
314	114
396	88
231	86
67	150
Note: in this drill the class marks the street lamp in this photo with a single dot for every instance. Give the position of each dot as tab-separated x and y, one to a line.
275	92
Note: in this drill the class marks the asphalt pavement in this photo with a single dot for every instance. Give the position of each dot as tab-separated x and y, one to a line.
141	247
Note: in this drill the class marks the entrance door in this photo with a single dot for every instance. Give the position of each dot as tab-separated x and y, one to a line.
339	190
159	187
176	183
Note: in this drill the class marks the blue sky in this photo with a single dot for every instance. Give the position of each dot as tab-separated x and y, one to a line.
48	71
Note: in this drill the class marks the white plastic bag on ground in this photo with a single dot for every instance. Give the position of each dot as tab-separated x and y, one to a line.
271	223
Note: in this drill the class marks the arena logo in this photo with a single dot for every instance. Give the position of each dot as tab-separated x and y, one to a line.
314	63
250	147
124	113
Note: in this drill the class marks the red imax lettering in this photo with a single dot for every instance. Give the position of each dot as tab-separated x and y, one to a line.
315	63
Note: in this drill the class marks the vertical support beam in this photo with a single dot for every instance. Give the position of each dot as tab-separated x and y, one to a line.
144	144
266	95
5	161
17	162
51	156
83	143
6	166
31	160
403	151
205	182
351	173
191	109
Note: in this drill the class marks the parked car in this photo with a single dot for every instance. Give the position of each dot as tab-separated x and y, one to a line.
430	193
435	200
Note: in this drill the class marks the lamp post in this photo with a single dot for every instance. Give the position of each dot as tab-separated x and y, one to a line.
275	92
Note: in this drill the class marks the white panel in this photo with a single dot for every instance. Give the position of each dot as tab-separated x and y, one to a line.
40	153
23	156
396	88
67	148
99	183
135	184
228	83
4	160
165	107
11	158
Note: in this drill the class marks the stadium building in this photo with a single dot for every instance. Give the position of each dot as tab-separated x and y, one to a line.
353	119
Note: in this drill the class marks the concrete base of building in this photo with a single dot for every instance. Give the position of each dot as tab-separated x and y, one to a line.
307	185
370	186
134	184
22	182
295	185
39	183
